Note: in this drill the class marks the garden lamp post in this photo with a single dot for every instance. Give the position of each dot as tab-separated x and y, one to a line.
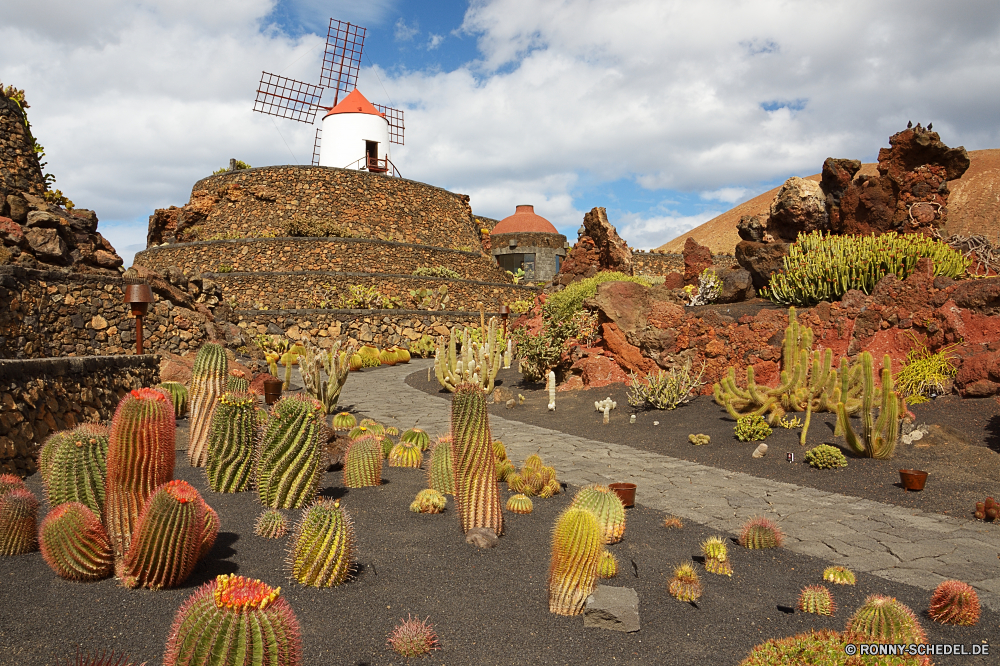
138	297
504	314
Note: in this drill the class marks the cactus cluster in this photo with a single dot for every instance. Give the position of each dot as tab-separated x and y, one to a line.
289	463
606	506
74	466
477	496
231	443
323	548
533	479
413	638
478	363
271	524
363	462
440	473
878	437
699	439
685	584
751	428
519	504
839	575
759	533
825	456
208	382
816	599
883	619
332	362
18	517
75	544
429	501
716	556
987	510
178	396
576	555
954	602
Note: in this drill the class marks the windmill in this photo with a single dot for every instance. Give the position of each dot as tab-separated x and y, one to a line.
358	133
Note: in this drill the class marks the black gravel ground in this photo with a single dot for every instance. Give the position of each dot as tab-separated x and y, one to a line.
961	452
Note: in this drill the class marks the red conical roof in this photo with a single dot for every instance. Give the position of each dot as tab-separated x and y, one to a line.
355	102
524	220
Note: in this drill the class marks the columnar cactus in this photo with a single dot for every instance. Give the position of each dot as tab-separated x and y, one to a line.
335	363
405	454
178	396
271	524
140	459
477	364
716	556
519	504
418	437
76	466
685	584
231	444
477	495
576	554
440	473
75	544
608	566
883	619
18	522
429	501
878	438
344	421
323	548
208	382
839	575
363	462
954	602
289	464
816	599
608	508
237	382
175	530
760	533
234	621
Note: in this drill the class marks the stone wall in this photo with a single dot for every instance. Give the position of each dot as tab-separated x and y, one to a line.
41	396
299	289
19	167
647	263
351	255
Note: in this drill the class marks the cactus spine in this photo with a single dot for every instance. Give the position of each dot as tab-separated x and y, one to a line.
476	492
178	396
576	554
606	506
405	454
208	382
441	474
335	363
77	466
478	363
234	621
429	501
271	524
175	530
289	464
954	602
816	599
882	619
323	548
716	556
75	544
760	533
878	438
18	522
363	462
140	458
231	445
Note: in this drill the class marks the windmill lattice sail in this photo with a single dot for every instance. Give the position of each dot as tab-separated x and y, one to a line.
287	98
342	58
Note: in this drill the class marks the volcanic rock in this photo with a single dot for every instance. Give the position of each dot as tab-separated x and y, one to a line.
761	260
751	228
696	259
800	206
737	285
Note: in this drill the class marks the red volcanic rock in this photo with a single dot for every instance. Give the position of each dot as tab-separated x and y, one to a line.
583	261
673	280
696	259
10	232
598	371
614	252
628	356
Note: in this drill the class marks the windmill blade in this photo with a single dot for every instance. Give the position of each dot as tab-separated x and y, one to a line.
316	141
395	118
342	58
287	98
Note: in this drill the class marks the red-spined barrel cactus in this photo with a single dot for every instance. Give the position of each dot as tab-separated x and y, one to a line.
954	602
406	454
429	501
234	621
477	495
271	524
18	522
170	537
576	554
440	473
291	458
323	547
418	437
608	508
231	445
140	459
9	482
363	462
75	544
178	396
883	619
760	533
208	382
413	638
816	599
77	466
685	584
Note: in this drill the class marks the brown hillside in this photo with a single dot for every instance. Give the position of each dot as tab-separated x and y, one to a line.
973	207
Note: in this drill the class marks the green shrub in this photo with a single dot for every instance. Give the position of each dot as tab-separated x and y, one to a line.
438	272
316	228
564	304
823	268
240	165
224	268
520	307
540	353
751	428
825	456
924	372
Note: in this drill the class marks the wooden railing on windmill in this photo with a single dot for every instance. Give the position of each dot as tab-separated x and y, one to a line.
356	132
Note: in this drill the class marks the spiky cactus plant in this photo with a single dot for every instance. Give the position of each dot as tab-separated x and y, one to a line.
477	495
335	364
369	356
516	483
271	524
429	501
392	431
387	446
18	522
576	554
534	461
175	530
608	508
208	382
76	466
413	638
387	357
440	474
234	621
355	362
816	599
416	436
178	396
608	566
289	463
405	454
140	459
323	548
231	444
716	556
75	544
878	438
954	602
402	355
9	482
550	489
344	421
883	619
760	532
519	504
839	575
685	584
237	382
504	469
363	462
499	450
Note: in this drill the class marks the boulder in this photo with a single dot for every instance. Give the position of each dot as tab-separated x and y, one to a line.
18	208
596	371
799	206
11	232
761	260
737	285
614	608
673	280
696	259
43	220
751	228
583	261
614	252
47	246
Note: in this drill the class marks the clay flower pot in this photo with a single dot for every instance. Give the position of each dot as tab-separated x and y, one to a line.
625	492
272	390
913	479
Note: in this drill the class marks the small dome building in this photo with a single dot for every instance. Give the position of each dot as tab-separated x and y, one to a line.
355	136
528	241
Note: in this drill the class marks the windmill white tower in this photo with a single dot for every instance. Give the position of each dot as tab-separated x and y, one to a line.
357	132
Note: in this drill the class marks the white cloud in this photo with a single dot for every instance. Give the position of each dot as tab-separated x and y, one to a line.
729	195
647	233
403	32
434	41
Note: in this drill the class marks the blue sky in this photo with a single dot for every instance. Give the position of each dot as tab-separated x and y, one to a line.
664	112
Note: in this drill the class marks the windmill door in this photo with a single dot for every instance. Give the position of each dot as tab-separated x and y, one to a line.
371	151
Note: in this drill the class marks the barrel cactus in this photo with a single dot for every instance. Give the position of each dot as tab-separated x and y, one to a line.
388	357
369	356
405	454
760	533
18	522
516	483
477	495
825	456
534	461
519	504
231	445
499	451
387	446
440	474
234	621
608	566
416	436
363	462
271	524
75	544
954	602
883	619
344	421
550	489
323	547
413	638
839	575
178	397
290	460
208	382
77	466
816	599
576	554
402	355
608	508
237	382
716	556
355	362
9	482
429	501
685	584
504	469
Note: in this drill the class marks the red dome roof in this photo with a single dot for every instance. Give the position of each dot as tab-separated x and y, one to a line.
524	220
355	102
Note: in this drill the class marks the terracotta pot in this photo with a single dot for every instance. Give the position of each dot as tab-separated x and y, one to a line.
272	390
625	492
913	479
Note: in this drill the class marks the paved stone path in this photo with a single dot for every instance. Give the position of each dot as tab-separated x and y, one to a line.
899	544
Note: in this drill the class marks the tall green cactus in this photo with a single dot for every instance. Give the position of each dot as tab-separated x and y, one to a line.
441	472
363	462
323	548
208	382
231	445
878	438
75	544
289	465
335	363
477	364
76	466
178	396
477	494
234	621
576	554
175	530
140	459
18	522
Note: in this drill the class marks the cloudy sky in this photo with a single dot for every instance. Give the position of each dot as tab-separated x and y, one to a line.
665	112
